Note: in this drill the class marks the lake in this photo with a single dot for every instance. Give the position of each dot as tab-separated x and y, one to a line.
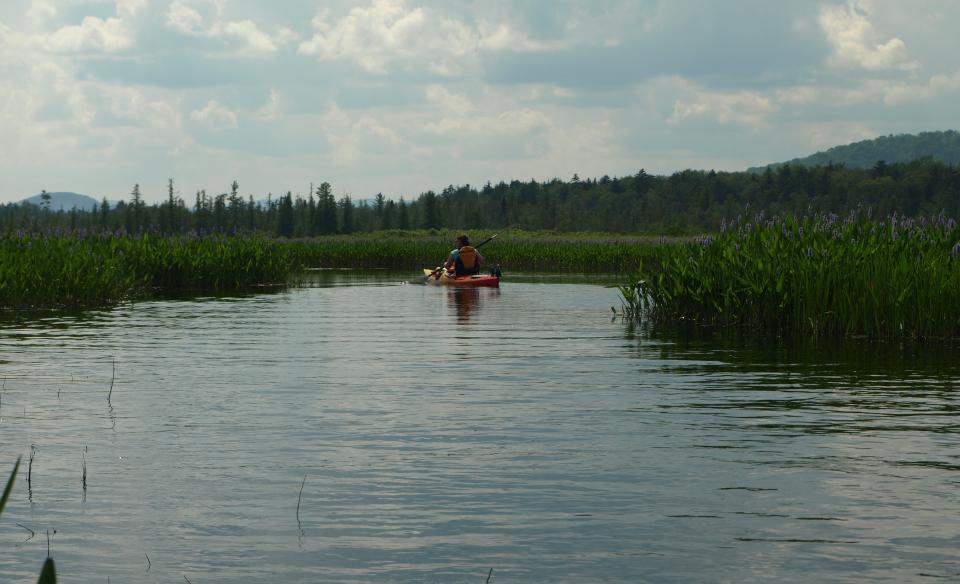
361	429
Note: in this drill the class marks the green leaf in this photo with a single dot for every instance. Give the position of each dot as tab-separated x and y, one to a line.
9	488
48	575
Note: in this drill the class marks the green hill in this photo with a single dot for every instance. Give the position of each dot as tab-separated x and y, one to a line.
943	146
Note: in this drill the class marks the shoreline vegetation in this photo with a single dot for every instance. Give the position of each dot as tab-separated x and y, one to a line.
95	269
795	269
820	275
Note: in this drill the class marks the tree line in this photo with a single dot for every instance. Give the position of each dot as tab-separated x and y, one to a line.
685	202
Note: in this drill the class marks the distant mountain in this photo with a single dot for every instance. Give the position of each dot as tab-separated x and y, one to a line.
65	201
943	146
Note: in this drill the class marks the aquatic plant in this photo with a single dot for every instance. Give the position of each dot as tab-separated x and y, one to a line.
823	275
86	269
519	251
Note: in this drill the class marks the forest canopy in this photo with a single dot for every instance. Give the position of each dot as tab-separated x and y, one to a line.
690	201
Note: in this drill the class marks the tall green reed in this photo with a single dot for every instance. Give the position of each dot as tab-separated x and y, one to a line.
513	252
820	275
79	270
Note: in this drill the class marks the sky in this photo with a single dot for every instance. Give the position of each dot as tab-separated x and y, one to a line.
404	96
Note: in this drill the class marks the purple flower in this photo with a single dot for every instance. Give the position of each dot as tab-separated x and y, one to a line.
956	250
951	224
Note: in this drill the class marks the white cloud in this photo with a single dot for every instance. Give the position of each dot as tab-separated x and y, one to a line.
853	39
748	108
130	8
354	139
442	97
183	17
215	116
387	31
902	93
459	116
92	34
270	110
247	31
40	12
514	122
133	106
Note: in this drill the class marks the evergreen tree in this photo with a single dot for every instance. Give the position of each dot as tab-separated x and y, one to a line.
403	219
346	215
326	222
285	219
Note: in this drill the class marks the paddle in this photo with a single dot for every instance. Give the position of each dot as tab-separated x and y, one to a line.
435	273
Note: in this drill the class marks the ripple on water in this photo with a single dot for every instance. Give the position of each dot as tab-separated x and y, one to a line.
437	434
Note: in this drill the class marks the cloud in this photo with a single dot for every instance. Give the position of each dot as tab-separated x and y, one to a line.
92	34
387	31
441	96
902	93
130	8
354	140
460	117
747	108
40	12
183	16
853	39
215	116
247	31
271	109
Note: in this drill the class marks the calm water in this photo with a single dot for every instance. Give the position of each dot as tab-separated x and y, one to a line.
437	434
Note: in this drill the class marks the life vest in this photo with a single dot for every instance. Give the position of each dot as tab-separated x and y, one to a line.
467	263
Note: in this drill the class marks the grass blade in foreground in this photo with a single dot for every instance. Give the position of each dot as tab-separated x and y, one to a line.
9	487
48	574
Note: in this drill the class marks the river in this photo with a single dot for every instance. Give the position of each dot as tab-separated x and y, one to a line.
365	430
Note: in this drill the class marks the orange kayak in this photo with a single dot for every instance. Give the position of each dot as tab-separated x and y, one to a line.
447	279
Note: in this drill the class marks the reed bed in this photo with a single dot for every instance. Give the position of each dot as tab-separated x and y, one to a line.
92	269
820	275
80	270
515	252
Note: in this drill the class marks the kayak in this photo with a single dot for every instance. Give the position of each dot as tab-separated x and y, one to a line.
445	279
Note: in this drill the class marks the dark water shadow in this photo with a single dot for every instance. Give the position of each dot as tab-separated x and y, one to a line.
66	318
778	386
853	360
466	302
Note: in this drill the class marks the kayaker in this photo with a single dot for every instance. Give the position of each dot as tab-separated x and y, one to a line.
465	260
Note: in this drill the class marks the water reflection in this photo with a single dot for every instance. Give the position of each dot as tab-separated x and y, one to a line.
467	301
446	431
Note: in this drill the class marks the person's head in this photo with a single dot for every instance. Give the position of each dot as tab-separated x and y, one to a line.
462	240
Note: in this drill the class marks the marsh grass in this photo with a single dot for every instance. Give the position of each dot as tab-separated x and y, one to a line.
79	270
820	275
514	251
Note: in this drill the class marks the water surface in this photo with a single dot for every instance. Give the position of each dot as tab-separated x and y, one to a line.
437	434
